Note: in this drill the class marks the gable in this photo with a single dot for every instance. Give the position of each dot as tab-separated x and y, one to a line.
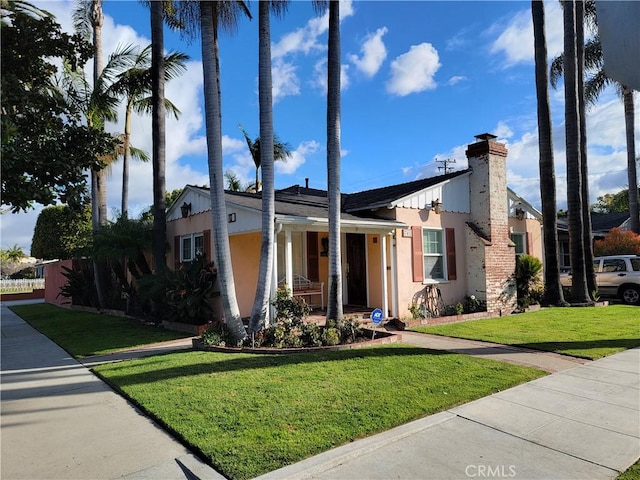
452	193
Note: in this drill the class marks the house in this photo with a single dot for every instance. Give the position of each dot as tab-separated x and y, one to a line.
601	224
452	235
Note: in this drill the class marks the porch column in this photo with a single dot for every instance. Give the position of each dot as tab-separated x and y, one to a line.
394	275
288	249
383	263
274	277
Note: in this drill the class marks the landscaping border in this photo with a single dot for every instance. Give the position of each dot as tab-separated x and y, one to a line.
382	338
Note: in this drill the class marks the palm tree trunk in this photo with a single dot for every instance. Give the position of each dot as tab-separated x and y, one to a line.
553	288
263	290
216	175
629	122
124	211
579	293
98	177
584	167
334	305
158	137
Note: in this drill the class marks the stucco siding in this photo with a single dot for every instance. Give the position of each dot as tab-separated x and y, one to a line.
245	258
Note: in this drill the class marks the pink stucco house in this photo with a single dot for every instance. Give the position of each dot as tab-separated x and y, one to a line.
452	235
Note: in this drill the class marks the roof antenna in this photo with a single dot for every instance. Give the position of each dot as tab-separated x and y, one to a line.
445	163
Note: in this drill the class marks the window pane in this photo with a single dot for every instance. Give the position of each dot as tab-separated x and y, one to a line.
614	265
433	268
198	244
635	264
432	241
186	249
518	239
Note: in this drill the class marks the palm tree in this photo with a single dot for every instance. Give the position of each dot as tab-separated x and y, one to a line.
264	153
212	16
281	151
579	292
553	288
233	182
594	85
135	85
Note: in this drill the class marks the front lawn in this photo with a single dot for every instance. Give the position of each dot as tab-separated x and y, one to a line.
83	333
592	333
251	414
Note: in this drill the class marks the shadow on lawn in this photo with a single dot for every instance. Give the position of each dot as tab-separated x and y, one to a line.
240	361
622	343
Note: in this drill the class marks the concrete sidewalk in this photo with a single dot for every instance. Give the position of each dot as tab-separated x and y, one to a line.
581	423
59	421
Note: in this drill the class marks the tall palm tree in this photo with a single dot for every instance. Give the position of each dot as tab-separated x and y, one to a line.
553	288
264	150
281	151
596	82
213	15
334	305
579	291
134	85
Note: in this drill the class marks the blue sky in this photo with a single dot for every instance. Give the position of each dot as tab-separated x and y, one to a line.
420	79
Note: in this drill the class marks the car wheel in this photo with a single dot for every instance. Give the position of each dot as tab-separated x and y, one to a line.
630	295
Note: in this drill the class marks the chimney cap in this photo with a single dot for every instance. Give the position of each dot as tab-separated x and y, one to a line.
486	137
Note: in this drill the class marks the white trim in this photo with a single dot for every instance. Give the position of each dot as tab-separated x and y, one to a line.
443	255
192	237
383	263
394	275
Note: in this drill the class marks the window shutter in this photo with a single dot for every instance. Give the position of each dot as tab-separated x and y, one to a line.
529	246
206	245
176	251
450	240
417	259
313	270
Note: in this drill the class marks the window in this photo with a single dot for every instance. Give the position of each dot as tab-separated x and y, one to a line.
190	246
520	241
611	265
565	257
433	253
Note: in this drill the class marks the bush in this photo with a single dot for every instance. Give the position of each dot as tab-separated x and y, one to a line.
80	288
528	280
349	329
471	304
288	307
330	336
216	335
618	242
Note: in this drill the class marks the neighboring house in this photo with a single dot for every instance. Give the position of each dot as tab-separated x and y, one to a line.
601	224
450	234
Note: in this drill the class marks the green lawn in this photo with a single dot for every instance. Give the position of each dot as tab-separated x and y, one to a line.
251	414
83	333
590	333
631	473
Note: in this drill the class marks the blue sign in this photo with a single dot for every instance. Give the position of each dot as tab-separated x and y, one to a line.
376	316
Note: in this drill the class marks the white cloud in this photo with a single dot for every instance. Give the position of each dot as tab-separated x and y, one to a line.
515	41
298	157
374	53
284	80
413	71
320	76
503	131
456	79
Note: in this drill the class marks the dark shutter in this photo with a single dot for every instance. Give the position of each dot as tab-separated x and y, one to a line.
313	271
528	244
206	245
450	240
417	258
176	251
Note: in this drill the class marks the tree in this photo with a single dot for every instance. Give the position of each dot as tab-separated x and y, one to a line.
12	254
613	202
281	151
134	84
579	292
266	151
45	148
233	182
62	233
212	16
594	86
334	303
553	288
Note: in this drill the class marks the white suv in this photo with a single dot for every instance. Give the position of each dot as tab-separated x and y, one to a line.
616	276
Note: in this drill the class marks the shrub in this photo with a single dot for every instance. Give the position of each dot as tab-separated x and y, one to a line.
618	242
349	329
80	288
527	278
330	336
216	335
417	311
289	308
471	304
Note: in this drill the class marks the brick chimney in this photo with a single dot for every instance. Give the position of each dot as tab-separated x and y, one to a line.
492	254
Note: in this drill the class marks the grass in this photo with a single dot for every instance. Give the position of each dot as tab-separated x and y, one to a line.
83	333
631	473
592	333
251	414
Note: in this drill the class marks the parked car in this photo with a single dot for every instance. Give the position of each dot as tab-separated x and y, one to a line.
616	276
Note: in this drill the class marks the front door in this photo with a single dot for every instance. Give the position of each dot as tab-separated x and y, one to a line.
356	269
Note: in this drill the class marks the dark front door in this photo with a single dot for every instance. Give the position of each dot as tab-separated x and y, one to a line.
356	269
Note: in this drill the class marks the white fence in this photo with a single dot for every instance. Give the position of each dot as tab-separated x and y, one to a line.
21	285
